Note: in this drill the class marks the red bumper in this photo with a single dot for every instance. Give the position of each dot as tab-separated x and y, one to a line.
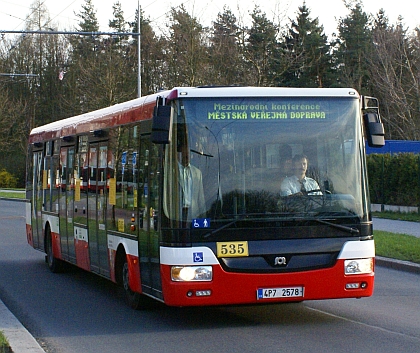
228	288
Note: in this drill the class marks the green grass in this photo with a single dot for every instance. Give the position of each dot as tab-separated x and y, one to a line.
413	217
4	345
13	193
397	246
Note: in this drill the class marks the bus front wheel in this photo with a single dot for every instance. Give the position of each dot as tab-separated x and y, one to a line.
135	300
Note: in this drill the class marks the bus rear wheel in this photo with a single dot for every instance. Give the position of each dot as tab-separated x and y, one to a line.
55	265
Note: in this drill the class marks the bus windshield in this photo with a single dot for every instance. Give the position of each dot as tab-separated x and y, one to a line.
266	159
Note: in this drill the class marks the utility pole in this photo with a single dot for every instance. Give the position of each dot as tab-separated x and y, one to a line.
139	52
72	32
19	75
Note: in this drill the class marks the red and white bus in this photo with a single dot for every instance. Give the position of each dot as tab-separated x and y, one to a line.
178	195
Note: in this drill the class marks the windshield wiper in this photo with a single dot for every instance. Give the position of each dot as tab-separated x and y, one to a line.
202	153
338	226
347	229
222	227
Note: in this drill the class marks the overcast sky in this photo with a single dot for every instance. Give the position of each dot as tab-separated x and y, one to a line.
13	12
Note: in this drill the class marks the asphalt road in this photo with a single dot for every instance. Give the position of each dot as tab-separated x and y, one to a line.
79	312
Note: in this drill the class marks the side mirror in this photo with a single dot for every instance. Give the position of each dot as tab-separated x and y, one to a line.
161	125
374	129
372	120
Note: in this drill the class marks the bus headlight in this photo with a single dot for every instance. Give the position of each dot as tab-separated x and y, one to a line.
191	273
358	266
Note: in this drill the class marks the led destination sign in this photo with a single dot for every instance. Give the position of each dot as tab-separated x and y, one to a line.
270	111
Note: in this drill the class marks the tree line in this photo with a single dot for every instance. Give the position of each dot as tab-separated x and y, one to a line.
73	74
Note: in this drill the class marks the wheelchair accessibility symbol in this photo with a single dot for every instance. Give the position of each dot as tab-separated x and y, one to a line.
198	257
201	223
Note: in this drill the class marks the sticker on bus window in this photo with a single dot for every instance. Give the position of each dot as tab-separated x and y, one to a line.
77	190
120	224
201	223
112	191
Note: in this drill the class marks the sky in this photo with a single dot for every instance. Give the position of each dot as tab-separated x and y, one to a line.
62	12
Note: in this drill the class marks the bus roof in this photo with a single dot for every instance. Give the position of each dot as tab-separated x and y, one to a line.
118	114
142	108
230	91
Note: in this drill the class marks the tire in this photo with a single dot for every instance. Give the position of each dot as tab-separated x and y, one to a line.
135	300
55	265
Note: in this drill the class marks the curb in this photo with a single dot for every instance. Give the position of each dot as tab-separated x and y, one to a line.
13	199
399	265
19	338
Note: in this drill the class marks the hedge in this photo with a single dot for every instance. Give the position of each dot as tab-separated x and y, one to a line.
394	179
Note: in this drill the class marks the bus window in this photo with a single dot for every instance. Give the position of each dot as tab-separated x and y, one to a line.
122	174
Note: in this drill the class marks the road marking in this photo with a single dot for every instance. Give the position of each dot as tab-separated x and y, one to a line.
363	324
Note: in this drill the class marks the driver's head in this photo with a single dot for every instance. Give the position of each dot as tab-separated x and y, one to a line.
300	165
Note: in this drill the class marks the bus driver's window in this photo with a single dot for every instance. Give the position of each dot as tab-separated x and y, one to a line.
190	179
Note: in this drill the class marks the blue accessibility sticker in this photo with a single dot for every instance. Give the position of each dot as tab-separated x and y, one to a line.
198	257
200	223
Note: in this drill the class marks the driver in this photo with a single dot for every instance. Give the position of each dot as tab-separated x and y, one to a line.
299	183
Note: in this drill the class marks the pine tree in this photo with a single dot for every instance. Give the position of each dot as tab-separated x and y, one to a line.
186	53
354	47
85	64
307	48
116	71
152	59
226	60
119	25
261	49
85	46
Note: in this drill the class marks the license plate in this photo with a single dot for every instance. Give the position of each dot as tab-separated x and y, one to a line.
284	292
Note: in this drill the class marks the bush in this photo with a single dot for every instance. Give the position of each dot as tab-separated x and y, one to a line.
394	179
7	180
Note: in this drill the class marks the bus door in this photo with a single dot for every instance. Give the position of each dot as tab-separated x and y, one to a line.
80	205
67	188
149	234
37	198
50	198
97	190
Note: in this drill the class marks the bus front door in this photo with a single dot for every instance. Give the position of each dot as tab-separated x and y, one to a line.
149	232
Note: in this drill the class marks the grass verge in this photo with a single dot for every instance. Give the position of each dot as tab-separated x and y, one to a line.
397	246
13	193
399	216
4	345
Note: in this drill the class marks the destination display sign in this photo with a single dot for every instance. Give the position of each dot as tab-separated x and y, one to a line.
265	111
294	109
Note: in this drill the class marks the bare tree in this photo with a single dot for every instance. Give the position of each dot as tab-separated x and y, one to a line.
395	75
